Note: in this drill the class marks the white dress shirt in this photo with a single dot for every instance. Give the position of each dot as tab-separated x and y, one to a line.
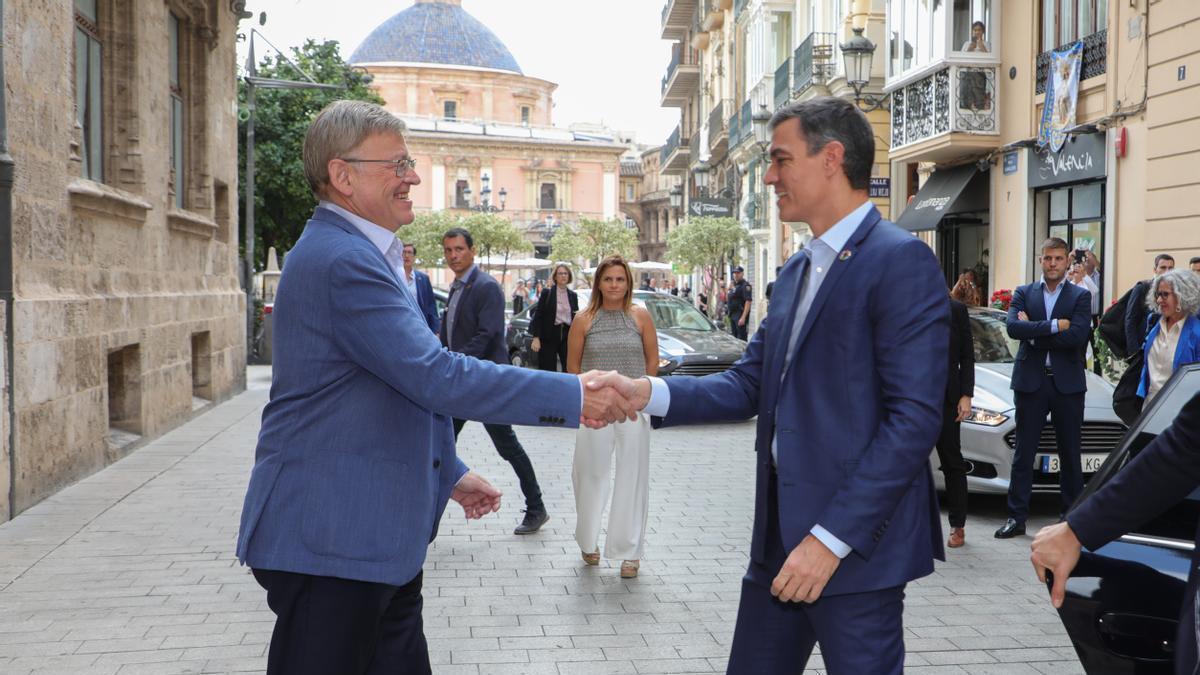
1160	358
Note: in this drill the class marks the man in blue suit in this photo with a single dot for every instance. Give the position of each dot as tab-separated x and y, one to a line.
355	459
418	284
1052	319
1163	473
847	375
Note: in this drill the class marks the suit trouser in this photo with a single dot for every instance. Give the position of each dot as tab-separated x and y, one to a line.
954	469
326	625
594	450
1066	413
511	451
858	632
553	350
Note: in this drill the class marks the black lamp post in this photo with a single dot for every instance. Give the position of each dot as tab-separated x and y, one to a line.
857	53
485	197
700	174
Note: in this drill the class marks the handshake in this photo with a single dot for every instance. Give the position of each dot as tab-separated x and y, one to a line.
611	397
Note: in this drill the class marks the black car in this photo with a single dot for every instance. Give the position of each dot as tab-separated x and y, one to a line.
1123	600
688	343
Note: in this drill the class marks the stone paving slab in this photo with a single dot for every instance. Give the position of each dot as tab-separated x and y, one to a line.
132	570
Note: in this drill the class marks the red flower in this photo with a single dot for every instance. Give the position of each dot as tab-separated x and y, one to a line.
1001	299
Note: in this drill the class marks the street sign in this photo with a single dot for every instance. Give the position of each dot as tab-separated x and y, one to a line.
1010	163
881	187
719	208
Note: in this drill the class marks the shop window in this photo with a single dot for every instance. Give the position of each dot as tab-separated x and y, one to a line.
89	103
1065	21
549	196
450	110
1077	217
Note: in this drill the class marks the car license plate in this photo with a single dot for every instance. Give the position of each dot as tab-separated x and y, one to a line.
1049	463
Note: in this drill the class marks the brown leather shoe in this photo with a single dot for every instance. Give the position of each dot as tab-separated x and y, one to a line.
957	538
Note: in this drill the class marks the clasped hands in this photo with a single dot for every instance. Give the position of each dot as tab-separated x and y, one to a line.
611	397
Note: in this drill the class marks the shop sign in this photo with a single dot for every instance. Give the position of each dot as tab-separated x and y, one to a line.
881	187
718	208
1081	158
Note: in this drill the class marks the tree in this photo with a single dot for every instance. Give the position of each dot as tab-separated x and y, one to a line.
590	241
705	243
283	201
425	232
496	237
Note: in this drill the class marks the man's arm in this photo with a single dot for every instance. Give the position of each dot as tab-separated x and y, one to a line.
1019	327
1076	335
1135	318
746	308
489	325
966	353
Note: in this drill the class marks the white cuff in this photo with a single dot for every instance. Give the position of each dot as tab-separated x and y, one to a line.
839	547
660	398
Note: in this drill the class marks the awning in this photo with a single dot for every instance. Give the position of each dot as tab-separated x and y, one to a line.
935	198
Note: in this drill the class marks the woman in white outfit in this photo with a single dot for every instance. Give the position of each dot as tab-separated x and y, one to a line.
613	334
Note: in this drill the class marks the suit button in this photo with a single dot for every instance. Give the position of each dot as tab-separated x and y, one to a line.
437	463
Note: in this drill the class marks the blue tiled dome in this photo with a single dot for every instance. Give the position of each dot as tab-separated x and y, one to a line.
434	31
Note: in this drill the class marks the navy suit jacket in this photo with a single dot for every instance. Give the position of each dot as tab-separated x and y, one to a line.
478	319
425	299
355	459
858	411
1066	348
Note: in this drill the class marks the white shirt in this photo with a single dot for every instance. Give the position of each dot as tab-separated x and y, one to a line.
410	281
1160	359
384	239
1090	285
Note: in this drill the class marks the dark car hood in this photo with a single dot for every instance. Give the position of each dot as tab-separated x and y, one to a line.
678	342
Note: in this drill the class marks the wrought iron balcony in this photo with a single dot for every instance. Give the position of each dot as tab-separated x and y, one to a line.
814	61
682	78
957	99
673	158
1095	60
783	84
735	127
718	130
677	18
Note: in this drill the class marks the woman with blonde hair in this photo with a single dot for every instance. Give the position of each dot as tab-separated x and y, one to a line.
613	334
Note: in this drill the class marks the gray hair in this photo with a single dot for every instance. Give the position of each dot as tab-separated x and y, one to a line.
337	130
1186	286
828	118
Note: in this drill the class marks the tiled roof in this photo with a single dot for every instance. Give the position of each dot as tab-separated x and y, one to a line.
631	168
435	32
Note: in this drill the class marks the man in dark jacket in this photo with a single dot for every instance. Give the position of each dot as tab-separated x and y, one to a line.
960	389
1126	403
474	325
1163	473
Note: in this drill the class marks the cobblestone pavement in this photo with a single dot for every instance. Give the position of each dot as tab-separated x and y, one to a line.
132	570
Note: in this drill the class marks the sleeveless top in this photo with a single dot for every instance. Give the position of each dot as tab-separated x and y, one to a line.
614	343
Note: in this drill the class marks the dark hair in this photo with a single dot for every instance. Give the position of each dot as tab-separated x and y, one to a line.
1195	260
980	24
825	119
412	246
1167	256
1054	242
459	232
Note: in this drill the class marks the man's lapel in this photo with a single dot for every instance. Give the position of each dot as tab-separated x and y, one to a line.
779	335
1035	306
1060	303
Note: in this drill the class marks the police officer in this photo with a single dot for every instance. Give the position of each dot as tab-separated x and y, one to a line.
738	304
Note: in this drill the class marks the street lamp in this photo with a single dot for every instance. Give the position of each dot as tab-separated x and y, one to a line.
485	201
676	197
762	129
701	175
857	53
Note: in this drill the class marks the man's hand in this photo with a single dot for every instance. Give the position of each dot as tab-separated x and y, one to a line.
1055	549
536	345
741	322
636	391
964	408
805	572
1063	324
477	496
1022	316
602	402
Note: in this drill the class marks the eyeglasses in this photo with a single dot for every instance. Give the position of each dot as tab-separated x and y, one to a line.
403	166
1163	295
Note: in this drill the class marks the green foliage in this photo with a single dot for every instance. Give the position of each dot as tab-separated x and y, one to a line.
425	232
494	236
704	244
589	241
283	202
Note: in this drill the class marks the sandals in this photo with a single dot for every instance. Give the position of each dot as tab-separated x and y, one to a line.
629	569
591	558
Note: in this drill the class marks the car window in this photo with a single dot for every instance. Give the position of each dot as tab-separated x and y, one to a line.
992	344
670	313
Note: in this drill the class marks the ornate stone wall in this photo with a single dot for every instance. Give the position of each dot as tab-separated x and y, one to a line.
128	313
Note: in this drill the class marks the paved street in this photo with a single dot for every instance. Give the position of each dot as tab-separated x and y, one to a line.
132	571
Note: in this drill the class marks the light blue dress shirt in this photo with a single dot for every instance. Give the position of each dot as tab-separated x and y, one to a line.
1050	298
384	239
822	252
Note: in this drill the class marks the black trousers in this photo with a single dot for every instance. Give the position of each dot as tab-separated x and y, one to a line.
738	331
554	349
331	626
510	450
954	469
1066	413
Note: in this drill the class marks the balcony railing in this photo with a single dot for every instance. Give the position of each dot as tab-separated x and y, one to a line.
670	146
955	99
783	83
747	121
676	17
1095	60
676	149
735	128
695	145
717	121
814	61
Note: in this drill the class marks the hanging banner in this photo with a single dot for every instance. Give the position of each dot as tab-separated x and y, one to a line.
1062	90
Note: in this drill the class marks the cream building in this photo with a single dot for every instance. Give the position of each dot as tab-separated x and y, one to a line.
123	311
480	129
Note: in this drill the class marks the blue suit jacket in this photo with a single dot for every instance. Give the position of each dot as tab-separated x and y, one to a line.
355	459
857	413
1066	348
478	319
1187	351
425	299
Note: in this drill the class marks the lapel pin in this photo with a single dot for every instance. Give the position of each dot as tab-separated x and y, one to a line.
845	255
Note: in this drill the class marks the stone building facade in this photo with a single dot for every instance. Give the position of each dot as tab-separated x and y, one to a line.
127	314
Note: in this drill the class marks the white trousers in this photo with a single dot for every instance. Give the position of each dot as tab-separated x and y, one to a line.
594	449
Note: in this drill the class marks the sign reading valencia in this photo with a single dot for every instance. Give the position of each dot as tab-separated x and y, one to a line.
717	208
1081	158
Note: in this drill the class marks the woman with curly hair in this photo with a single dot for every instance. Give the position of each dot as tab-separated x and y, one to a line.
1175	339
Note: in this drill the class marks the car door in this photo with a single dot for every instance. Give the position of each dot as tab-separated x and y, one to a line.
1123	600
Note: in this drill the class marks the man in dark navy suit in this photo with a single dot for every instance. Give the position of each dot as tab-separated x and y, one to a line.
1163	473
418	282
474	325
1052	319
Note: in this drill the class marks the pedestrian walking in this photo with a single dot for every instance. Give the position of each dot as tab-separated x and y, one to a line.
555	311
613	334
960	389
519	296
1175	339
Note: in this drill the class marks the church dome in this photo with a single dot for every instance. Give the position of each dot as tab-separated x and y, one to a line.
436	32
